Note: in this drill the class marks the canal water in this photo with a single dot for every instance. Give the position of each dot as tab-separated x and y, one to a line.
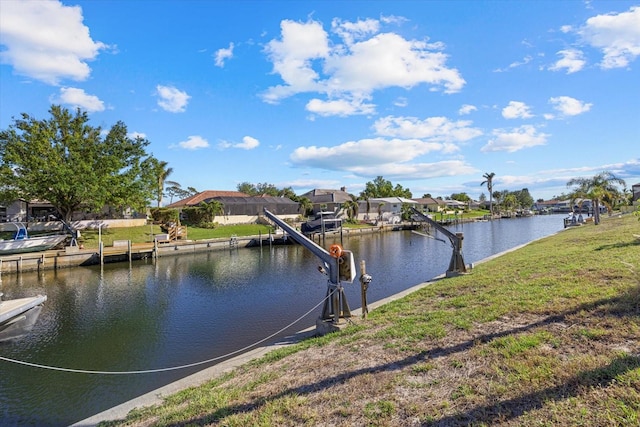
185	309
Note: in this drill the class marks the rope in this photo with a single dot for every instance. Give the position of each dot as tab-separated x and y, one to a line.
173	368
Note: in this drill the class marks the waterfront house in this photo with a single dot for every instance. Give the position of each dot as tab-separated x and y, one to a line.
240	208
430	204
327	200
635	188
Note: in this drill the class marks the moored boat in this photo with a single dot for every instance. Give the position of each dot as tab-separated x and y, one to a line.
22	242
18	316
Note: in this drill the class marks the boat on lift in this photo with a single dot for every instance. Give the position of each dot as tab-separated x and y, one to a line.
22	242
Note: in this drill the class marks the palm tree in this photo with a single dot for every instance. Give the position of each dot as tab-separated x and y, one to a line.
601	188
351	208
162	172
488	180
211	209
305	206
368	203
380	206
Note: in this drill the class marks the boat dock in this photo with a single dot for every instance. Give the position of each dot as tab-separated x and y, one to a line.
124	250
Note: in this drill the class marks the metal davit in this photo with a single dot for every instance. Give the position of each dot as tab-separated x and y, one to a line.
456	265
338	265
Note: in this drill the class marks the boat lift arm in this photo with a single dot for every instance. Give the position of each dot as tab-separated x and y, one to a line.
456	265
335	304
320	252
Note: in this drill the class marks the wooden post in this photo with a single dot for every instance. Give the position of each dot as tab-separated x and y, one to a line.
129	249
101	251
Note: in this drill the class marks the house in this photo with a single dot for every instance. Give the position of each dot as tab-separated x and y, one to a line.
23	211
327	200
240	208
455	204
430	204
635	189
390	208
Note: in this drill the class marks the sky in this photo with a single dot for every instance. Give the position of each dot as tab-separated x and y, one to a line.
430	95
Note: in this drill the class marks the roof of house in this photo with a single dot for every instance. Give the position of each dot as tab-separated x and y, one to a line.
261	200
205	195
327	196
429	201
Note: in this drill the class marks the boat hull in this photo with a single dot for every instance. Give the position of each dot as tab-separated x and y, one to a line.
18	316
31	244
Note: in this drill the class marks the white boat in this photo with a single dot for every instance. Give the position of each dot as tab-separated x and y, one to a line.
18	316
22	242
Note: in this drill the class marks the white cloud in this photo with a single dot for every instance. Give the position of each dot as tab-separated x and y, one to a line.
364	62
527	59
340	107
401	102
350	31
617	35
46	40
569	106
516	110
379	156
77	98
194	142
248	143
417	170
135	135
433	128
467	109
292	56
387	60
368	152
222	55
171	99
571	59
525	136
524	61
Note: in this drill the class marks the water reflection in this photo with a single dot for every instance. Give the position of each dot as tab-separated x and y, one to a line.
184	309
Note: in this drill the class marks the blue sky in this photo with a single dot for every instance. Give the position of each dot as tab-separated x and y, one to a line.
324	94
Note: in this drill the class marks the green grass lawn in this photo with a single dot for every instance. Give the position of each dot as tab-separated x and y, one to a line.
144	234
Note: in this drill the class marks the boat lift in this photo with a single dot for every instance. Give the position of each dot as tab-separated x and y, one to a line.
338	266
456	265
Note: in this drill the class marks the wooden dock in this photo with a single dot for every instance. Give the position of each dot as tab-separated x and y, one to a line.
122	251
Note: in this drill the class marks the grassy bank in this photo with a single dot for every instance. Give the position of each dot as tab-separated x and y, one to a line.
547	335
145	233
